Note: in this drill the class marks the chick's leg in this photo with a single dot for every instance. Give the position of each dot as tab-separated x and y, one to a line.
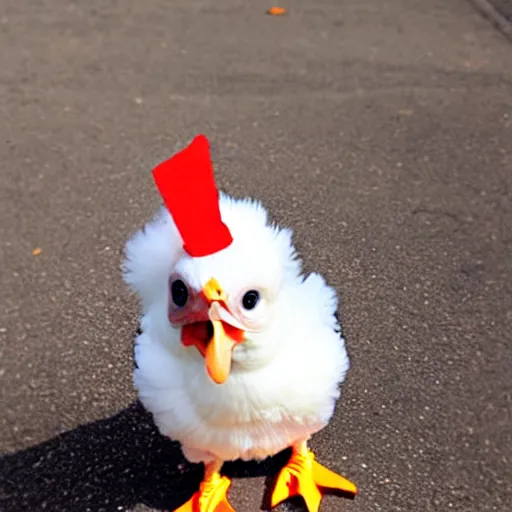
212	493
303	476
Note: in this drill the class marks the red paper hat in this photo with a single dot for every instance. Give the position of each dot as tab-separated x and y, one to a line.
187	185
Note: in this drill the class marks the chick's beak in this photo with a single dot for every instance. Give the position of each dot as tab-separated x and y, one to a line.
225	336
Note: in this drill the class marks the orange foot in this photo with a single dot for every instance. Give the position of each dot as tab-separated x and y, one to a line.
211	496
303	476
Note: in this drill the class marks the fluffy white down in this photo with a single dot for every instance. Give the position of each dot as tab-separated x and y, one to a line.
284	381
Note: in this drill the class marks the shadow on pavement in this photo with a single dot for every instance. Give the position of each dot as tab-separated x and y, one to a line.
109	465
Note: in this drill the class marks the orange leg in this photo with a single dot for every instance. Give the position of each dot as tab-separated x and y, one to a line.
212	493
305	477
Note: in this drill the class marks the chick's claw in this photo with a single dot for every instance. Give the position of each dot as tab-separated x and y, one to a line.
305	477
211	497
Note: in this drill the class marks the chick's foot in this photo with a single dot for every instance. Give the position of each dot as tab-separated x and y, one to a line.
305	477
211	497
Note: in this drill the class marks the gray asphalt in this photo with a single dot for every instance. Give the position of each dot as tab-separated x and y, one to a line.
381	132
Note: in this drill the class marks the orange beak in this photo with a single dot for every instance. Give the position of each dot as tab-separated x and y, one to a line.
216	350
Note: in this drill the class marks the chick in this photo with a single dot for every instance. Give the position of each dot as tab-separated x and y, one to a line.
240	356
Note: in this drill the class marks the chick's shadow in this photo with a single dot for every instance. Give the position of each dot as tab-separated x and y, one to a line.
109	465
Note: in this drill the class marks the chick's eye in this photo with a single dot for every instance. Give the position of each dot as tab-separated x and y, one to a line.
250	299
179	293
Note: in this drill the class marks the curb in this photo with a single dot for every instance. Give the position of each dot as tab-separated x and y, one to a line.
488	11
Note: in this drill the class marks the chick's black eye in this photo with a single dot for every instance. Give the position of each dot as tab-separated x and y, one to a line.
179	293
250	299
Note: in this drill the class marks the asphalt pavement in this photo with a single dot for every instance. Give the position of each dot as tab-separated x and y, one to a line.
381	132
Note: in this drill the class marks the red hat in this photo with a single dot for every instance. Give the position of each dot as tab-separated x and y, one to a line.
187	185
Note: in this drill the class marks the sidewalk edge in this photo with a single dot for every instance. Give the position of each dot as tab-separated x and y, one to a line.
489	12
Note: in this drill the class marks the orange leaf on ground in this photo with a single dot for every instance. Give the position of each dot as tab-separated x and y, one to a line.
276	11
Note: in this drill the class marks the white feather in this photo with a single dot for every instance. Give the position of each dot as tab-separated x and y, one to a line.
285	379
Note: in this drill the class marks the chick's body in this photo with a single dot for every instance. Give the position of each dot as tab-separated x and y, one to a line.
240	355
285	375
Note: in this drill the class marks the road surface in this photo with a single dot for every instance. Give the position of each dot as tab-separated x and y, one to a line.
379	131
